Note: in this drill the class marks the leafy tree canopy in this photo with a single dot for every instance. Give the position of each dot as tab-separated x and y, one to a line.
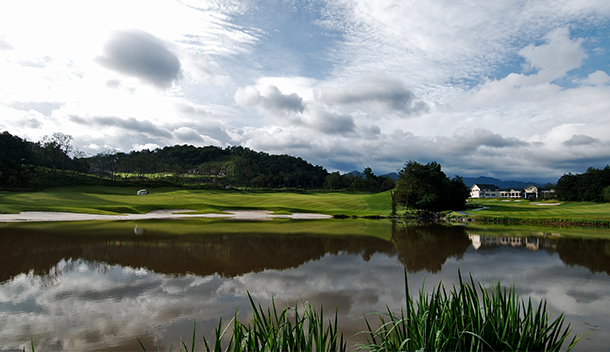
587	187
427	187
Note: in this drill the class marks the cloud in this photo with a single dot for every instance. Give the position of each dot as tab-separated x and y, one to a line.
139	54
555	58
113	83
44	107
331	123
597	78
188	135
580	139
278	140
469	141
4	45
269	99
552	60
130	124
378	93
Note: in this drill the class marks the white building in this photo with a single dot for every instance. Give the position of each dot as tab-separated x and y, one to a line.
480	190
484	191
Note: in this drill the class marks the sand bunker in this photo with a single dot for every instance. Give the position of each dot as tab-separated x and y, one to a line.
256	215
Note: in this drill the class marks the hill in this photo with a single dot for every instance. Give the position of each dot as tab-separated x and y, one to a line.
469	181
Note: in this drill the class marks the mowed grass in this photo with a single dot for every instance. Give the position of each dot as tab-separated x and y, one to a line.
534	209
113	200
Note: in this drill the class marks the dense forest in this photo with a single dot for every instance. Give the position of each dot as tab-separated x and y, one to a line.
591	186
54	161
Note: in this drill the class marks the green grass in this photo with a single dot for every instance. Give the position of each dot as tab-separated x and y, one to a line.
112	200
527	208
469	317
291	329
524	210
115	200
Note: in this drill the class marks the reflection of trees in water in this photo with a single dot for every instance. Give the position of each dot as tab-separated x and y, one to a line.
23	251
425	247
591	253
428	246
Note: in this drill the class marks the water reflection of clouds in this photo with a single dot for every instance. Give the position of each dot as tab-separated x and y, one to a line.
94	305
582	295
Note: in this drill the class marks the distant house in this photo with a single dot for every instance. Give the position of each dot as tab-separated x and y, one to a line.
547	193
493	191
511	193
479	190
530	192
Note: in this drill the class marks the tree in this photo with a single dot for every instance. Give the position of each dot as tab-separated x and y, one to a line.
57	149
14	153
587	187
427	187
607	194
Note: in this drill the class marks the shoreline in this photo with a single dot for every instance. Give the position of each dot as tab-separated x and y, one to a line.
251	215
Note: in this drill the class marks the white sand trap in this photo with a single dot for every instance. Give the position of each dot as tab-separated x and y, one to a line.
39	216
482	208
548	203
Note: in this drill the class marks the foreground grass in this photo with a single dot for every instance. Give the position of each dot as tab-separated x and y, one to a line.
113	200
470	317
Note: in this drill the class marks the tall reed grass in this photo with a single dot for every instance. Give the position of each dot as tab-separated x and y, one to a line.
291	329
469	317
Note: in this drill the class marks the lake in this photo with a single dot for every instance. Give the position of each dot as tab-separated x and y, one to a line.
100	285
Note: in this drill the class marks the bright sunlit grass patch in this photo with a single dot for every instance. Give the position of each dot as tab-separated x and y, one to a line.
108	200
533	209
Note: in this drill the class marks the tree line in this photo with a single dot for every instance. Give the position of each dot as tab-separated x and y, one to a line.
55	161
591	186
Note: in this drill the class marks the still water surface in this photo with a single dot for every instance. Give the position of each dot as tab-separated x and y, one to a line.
83	287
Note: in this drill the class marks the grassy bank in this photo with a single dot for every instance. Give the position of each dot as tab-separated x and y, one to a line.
113	200
540	213
116	200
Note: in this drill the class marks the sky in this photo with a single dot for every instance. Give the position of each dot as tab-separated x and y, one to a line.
508	89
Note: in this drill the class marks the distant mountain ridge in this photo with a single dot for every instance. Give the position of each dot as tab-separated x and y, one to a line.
469	181
392	175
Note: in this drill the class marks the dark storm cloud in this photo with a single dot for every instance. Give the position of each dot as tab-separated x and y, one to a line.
379	93
43	107
142	55
580	139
